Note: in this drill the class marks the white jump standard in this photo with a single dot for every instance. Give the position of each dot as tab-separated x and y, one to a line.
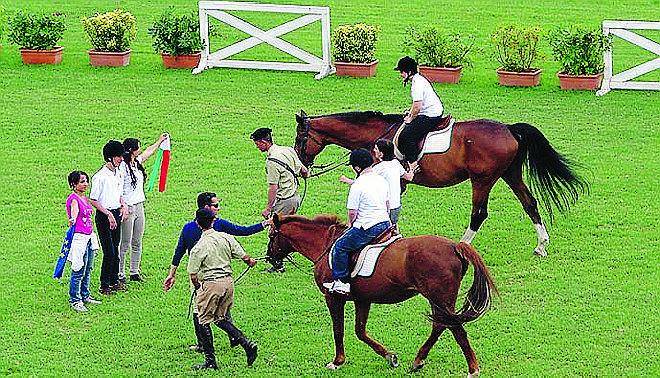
311	63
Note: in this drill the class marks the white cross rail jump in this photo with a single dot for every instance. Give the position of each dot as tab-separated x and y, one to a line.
219	9
623	80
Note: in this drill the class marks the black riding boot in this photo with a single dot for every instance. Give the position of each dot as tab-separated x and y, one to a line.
232	340
209	351
249	346
199	348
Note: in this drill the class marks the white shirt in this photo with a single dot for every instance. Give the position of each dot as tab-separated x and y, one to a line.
391	171
368	195
421	90
130	194
107	187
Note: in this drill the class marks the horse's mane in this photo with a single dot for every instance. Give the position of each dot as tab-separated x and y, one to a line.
363	117
321	219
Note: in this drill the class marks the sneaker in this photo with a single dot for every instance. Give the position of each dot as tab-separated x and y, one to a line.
136	278
91	300
106	291
338	287
79	306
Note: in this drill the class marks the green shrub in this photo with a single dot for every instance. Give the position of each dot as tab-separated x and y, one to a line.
176	34
433	48
516	48
36	31
579	50
355	43
111	31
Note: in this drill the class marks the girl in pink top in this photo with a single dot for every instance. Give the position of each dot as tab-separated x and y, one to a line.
84	243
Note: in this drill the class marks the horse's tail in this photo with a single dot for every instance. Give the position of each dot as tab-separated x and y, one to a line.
551	175
478	297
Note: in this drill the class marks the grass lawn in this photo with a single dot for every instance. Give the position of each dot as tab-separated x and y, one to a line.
589	308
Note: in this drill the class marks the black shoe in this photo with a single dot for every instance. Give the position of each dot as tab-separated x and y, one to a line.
119	286
136	278
273	269
206	365
233	342
250	350
106	291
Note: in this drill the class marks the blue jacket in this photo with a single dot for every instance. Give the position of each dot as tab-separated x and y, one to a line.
191	233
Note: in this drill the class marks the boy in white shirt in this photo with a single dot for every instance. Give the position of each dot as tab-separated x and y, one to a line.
424	113
368	217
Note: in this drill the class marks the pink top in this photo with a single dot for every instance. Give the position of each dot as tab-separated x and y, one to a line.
83	224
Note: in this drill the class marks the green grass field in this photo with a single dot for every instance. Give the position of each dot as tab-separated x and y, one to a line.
589	308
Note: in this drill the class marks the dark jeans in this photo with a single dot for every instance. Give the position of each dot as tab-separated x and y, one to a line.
353	240
413	133
109	240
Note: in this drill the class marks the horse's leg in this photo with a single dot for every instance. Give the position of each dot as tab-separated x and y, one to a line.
480	192
461	338
430	342
361	316
336	306
513	178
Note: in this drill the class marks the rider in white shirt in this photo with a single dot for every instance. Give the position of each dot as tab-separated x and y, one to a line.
368	217
424	113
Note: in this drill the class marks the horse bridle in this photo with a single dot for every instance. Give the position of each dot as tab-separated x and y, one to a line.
276	232
325	168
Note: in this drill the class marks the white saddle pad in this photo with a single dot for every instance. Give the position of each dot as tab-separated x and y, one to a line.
436	142
366	262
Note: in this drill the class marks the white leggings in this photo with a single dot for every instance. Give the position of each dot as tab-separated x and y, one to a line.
132	230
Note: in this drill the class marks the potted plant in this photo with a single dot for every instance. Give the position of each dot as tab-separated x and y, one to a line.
176	38
111	34
580	52
37	36
516	48
354	50
441	56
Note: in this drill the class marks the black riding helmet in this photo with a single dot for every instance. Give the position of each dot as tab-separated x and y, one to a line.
112	149
406	64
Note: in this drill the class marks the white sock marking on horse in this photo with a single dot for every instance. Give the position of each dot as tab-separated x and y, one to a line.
468	236
473	375
543	240
332	366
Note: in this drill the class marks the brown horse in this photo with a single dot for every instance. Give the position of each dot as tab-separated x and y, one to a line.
428	265
482	151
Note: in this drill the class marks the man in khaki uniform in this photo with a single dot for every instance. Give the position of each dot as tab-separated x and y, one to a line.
210	273
282	170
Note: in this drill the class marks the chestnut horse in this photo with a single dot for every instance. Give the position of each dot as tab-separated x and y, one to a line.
482	151
428	265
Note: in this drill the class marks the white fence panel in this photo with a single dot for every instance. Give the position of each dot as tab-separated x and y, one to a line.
220	58
623	80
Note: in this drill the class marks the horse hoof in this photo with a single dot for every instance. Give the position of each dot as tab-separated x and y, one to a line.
473	375
540	252
332	366
416	367
392	359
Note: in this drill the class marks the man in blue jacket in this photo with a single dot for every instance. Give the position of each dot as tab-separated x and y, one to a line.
190	235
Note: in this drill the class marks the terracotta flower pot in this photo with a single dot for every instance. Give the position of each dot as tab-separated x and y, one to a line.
109	59
449	75
188	61
519	79
356	69
53	56
584	82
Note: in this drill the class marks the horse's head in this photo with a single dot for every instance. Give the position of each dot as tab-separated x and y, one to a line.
309	236
279	246
309	142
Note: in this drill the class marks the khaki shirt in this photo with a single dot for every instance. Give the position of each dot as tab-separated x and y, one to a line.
277	174
210	258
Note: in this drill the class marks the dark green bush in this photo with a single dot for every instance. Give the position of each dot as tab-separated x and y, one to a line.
433	48
516	48
579	50
36	31
176	34
355	43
